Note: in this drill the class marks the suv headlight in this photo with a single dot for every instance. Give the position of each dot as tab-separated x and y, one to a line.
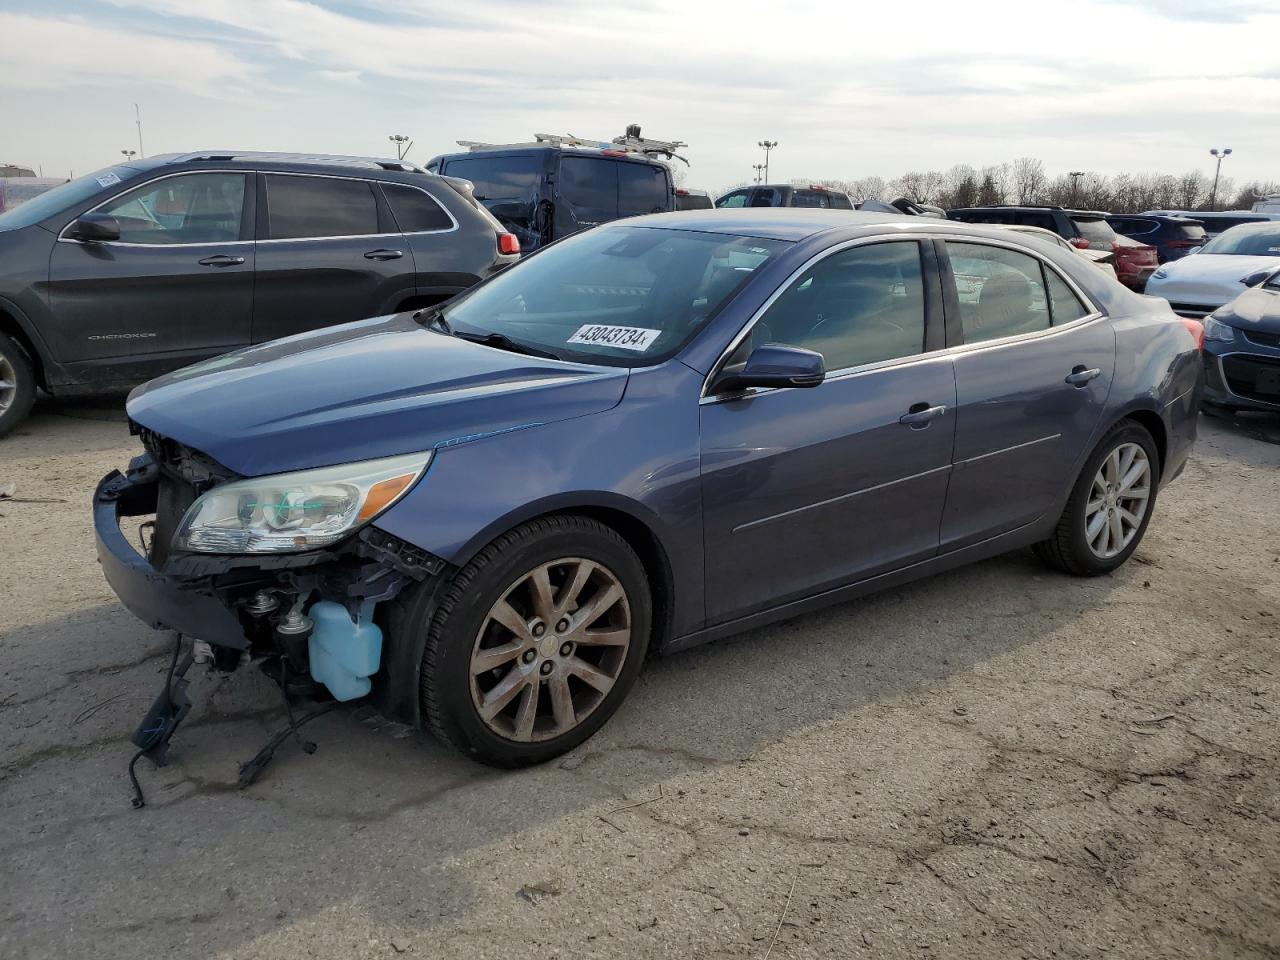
1217	330
289	512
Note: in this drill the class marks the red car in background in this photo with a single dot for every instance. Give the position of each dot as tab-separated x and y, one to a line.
1135	262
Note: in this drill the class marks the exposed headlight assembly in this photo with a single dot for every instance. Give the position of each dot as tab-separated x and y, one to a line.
1217	330
289	512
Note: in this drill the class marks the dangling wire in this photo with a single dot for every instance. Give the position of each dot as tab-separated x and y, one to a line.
139	801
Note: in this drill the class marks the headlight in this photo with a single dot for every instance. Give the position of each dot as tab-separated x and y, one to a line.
1161	274
296	511
1217	330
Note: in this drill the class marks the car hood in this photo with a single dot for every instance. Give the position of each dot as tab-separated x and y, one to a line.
1210	279
371	389
1257	309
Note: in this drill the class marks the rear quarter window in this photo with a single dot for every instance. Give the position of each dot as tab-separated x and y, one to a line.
415	210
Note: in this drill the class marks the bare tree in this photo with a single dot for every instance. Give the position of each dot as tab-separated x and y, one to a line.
1193	189
864	188
1028	179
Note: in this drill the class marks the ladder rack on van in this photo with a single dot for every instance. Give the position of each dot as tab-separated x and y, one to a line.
629	142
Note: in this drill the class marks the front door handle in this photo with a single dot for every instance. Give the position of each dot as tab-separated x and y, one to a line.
221	260
384	255
920	415
1080	375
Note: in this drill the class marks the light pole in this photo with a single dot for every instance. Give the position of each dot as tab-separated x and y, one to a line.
403	144
1221	155
767	145
1075	176
137	118
129	154
759	168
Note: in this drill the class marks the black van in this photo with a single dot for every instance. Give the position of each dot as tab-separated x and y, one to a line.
548	189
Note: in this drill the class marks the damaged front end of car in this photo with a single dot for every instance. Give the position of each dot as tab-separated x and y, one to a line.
285	569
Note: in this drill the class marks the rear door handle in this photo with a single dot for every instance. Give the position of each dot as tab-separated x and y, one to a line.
1080	375
221	260
384	255
920	415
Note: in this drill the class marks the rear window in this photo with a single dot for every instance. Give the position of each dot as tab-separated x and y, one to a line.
1097	231
315	207
694	201
415	210
809	198
642	188
1191	231
841	201
499	178
1133	227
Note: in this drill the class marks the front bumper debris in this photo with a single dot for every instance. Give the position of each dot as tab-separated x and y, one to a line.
187	606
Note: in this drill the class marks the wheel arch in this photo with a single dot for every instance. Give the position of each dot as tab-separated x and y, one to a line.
1151	421
621	515
15	325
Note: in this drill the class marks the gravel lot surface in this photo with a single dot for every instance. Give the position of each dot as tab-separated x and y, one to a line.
997	762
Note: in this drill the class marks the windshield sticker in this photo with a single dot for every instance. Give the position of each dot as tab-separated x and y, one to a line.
625	338
107	180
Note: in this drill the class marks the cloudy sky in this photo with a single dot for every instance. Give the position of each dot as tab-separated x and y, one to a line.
848	89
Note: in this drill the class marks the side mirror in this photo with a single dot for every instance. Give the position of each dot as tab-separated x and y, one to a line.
95	228
772	365
1257	278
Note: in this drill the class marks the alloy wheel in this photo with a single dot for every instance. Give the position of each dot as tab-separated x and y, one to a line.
8	384
550	649
1118	500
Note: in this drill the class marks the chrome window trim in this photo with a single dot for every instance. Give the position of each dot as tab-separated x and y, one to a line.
960	348
62	238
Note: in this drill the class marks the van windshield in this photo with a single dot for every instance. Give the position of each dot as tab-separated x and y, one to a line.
623	296
61	197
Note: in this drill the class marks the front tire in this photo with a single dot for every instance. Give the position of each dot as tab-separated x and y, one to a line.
536	642
1110	505
17	384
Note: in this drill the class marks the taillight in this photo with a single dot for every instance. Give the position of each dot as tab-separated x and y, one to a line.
1080	243
1196	329
508	243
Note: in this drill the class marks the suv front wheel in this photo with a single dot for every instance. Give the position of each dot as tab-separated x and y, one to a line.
17	384
536	642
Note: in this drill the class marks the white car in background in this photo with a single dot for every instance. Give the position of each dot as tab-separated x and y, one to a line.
1102	259
1220	270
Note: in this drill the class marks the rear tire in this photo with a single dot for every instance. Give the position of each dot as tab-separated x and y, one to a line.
1079	545
536	642
17	384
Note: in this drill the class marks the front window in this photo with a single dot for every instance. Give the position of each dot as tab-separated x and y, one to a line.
858	306
1246	241
192	208
624	296
62	197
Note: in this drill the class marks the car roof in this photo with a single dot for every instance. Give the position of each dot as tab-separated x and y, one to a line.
799	223
1262	226
1051	208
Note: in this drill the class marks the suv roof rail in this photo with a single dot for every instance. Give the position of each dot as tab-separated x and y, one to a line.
630	142
214	156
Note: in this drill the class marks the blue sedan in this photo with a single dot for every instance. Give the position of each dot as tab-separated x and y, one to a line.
484	516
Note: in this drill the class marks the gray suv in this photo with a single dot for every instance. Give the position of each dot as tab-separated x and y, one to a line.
125	274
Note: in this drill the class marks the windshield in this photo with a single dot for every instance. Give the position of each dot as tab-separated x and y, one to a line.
625	296
64	196
1246	241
